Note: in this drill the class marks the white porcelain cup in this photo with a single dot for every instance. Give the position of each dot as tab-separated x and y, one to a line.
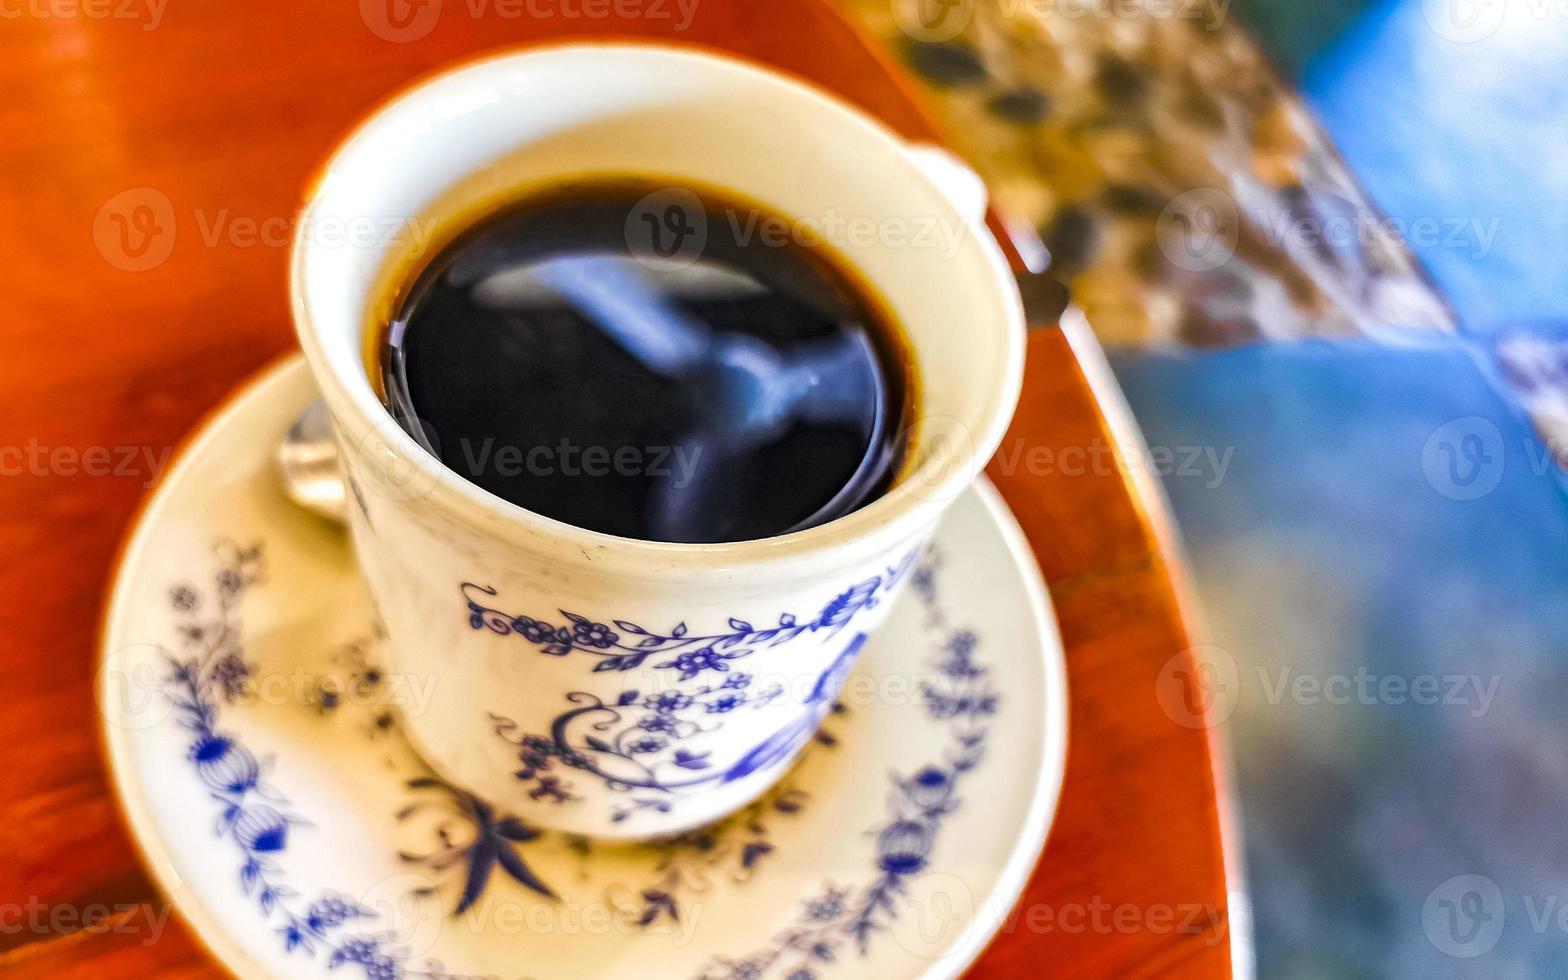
596	684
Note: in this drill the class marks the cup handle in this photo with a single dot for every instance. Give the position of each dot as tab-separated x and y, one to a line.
1044	297
957	181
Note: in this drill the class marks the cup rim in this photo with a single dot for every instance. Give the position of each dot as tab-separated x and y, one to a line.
888	520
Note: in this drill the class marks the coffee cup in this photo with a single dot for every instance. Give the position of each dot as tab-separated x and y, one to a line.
602	685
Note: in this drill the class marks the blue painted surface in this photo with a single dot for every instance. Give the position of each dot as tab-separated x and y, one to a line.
1389	513
1457	110
1326	552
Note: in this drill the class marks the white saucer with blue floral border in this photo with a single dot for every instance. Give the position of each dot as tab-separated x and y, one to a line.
256	747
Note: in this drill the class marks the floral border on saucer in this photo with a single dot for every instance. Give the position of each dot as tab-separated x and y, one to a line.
209	671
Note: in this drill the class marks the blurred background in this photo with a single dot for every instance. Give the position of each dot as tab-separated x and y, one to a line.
1323	245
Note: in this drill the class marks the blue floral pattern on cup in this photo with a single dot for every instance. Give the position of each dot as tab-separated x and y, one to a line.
624	645
634	744
641	743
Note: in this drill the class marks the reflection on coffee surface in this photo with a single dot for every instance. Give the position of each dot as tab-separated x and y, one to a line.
638	360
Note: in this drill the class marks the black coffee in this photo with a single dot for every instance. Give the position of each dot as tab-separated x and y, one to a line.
680	367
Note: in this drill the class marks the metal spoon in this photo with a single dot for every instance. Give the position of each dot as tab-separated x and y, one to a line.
307	461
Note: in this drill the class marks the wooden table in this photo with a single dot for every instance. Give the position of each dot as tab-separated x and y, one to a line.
120	332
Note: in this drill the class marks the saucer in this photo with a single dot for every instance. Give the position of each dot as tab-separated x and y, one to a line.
256	747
